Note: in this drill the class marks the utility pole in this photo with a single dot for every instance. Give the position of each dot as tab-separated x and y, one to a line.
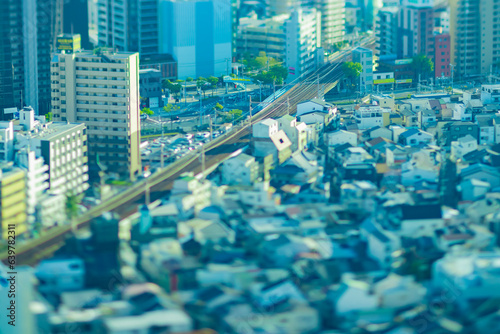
250	108
268	64
201	109
319	97
288	105
227	66
274	89
161	156
185	95
452	66
211	130
146	193
203	160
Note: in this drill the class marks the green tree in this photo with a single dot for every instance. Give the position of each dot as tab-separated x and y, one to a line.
351	71
213	81
422	65
219	106
189	79
173	88
279	73
72	203
147	111
48	116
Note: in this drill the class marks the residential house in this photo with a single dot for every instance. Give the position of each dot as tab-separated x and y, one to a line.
415	137
340	137
463	146
241	169
268	139
483	173
370	115
421	219
462	113
486	129
490	93
426	117
375	132
60	274
295	131
299	169
451	131
473	276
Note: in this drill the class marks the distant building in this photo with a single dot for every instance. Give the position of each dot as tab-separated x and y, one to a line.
386	31
27	36
165	63
473	41
303	52
333	17
365	58
129	25
442	55
415	29
198	34
102	91
262	35
402	69
150	88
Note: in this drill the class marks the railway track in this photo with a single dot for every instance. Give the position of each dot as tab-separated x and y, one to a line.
126	203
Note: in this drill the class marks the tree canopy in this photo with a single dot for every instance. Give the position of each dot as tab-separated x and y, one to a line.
147	111
351	70
422	65
173	88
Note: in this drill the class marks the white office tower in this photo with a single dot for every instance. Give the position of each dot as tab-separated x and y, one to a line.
198	33
303	36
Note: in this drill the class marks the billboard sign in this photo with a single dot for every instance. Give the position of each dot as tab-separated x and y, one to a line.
69	43
236	80
383	81
402	81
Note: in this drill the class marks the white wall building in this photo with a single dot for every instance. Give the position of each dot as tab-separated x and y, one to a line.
340	137
37	179
265	128
63	147
6	140
490	93
303	39
369	115
241	169
295	131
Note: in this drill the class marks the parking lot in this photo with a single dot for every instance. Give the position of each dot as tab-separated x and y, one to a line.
173	148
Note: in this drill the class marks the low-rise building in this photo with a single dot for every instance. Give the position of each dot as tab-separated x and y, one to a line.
63	147
369	115
490	93
241	169
150	88
13	206
295	131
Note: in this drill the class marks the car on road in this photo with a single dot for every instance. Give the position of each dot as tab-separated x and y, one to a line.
146	152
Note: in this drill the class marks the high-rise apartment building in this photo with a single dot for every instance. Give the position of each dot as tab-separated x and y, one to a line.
28	30
386	31
102	91
128	25
332	21
262	35
475	41
198	34
416	25
303	38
